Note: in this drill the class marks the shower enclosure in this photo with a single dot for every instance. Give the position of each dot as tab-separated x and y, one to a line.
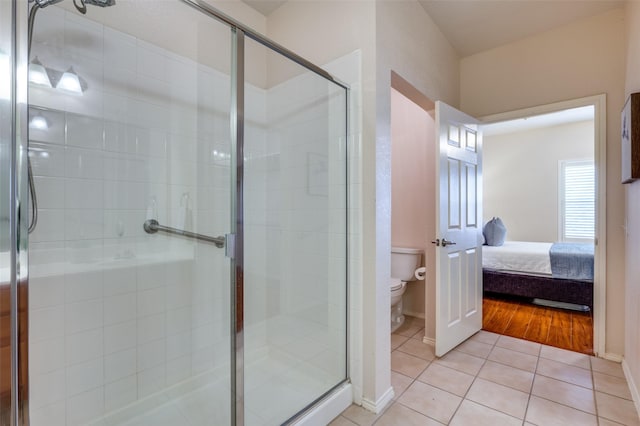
189	261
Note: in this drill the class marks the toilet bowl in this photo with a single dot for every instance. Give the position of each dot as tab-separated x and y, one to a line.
404	262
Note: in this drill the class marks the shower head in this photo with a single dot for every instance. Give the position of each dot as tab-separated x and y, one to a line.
45	3
101	3
81	5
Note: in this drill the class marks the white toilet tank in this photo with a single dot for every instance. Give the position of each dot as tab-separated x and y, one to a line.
404	262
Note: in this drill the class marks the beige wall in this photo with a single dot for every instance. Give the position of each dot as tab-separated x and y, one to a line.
632	253
580	59
410	45
413	215
527	201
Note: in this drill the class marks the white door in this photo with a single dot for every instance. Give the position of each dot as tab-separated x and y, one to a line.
459	227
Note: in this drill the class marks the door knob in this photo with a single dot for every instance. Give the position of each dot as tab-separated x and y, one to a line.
447	243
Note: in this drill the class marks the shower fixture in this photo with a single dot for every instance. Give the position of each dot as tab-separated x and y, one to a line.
71	82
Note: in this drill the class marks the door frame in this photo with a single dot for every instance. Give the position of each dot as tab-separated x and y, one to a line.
599	102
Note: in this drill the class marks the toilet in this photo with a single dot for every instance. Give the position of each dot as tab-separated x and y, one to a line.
404	262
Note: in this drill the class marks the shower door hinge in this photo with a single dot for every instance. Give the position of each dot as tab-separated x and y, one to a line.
230	245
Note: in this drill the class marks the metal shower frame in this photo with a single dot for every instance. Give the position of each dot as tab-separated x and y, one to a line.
19	412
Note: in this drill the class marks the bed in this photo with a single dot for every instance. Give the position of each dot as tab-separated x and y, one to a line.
557	272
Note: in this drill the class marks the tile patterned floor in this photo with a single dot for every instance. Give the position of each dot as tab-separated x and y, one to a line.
497	380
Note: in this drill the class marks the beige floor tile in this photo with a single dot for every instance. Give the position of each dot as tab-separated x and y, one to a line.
607	367
342	421
472	347
360	416
485	337
566	357
410	327
415	347
499	397
519	345
406	364
398	414
430	401
507	376
474	414
514	359
605	422
549	413
462	362
397	340
611	384
566	373
447	379
616	409
400	383
564	393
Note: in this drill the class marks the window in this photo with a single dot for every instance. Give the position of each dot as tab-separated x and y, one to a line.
577	200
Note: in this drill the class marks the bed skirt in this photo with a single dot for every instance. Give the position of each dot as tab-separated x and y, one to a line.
531	286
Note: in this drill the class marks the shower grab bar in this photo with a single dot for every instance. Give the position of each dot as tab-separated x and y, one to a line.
151	226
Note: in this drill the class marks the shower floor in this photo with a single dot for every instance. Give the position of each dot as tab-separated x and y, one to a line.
298	366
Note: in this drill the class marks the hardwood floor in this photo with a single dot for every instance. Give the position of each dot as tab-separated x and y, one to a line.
551	326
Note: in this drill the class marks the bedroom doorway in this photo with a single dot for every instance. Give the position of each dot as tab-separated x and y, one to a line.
554	156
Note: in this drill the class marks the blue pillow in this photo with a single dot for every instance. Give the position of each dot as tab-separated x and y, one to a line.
494	232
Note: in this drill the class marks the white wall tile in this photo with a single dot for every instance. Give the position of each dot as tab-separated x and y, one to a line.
120	393
84	346
151	380
120	308
151	328
46	323
151	354
50	192
120	336
85	406
178	369
83	316
119	280
85	132
119	365
83	163
45	389
151	302
151	61
83	194
85	376
46	356
47	159
50	226
83	286
178	345
50	415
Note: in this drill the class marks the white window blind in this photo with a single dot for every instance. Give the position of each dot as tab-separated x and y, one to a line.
577	186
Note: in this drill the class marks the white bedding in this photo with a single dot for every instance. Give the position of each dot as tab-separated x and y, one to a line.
518	256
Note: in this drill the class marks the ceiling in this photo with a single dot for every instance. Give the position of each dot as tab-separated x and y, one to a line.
537	121
265	6
473	26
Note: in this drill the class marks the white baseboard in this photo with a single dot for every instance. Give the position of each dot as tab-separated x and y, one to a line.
429	341
380	404
413	314
612	357
329	408
632	385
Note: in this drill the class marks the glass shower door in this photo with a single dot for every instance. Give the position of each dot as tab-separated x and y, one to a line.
295	233
130	327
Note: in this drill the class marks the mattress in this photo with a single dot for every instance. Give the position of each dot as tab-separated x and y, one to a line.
518	256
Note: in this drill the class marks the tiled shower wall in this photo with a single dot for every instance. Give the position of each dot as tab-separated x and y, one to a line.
117	315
